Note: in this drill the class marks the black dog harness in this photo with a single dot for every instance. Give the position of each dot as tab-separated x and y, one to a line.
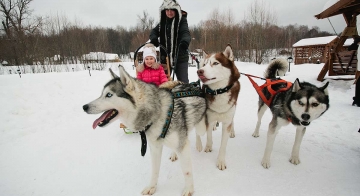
194	91
143	139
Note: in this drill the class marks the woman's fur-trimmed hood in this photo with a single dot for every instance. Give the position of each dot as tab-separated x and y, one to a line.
170	5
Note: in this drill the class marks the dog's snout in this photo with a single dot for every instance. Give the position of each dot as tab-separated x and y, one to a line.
85	107
200	72
305	116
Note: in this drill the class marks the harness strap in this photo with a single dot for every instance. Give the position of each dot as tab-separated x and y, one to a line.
272	92
259	90
268	85
187	93
143	139
168	120
195	91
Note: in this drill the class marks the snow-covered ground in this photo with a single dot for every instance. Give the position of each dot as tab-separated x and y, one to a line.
48	146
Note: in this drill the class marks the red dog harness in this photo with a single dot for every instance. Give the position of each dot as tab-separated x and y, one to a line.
268	85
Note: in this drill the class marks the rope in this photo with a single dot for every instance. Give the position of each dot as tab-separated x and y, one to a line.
248	75
332	26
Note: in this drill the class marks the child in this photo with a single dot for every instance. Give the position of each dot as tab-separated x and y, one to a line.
150	71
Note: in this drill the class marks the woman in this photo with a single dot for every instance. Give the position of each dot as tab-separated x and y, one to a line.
173	33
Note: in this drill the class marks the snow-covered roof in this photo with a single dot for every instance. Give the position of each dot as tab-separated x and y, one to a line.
320	41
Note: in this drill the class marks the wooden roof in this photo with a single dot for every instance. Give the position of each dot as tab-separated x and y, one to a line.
342	6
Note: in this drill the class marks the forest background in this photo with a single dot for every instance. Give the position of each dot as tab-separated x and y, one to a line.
26	39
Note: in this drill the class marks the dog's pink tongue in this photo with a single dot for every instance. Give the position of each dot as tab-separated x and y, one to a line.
95	123
101	118
203	78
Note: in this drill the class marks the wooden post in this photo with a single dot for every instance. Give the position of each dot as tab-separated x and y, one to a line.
323	71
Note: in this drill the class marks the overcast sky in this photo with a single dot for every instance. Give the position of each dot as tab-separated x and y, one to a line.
111	13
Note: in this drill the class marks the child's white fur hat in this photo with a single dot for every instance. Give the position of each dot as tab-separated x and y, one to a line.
149	50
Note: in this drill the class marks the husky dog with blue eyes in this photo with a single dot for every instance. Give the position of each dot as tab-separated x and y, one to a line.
298	103
163	115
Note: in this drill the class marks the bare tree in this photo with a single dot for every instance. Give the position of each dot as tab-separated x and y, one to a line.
17	24
260	18
142	29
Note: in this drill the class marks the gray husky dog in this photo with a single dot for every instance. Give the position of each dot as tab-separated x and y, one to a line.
157	113
299	105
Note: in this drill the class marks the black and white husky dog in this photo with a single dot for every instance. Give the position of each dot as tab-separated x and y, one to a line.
299	105
157	113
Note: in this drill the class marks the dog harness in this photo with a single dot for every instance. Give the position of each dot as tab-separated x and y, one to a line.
143	139
268	85
195	90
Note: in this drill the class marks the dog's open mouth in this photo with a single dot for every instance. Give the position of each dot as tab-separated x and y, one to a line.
305	123
105	118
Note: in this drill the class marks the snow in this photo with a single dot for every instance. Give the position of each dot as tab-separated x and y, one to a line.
320	41
48	146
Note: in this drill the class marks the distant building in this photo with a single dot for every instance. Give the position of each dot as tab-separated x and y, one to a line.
316	50
100	57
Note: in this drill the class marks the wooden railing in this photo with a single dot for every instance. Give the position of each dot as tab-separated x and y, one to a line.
344	63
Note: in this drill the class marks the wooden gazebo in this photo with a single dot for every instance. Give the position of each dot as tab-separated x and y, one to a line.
345	62
315	50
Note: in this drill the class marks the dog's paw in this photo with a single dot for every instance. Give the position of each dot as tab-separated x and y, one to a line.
149	190
256	134
232	134
294	160
173	157
221	164
265	163
188	191
208	149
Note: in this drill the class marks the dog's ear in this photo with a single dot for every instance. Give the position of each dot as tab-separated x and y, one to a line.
205	54
296	86
126	79
229	53
113	75
202	60
325	89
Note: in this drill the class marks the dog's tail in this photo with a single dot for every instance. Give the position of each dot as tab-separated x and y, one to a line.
277	67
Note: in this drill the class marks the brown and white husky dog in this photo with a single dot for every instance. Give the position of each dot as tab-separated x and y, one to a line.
221	87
